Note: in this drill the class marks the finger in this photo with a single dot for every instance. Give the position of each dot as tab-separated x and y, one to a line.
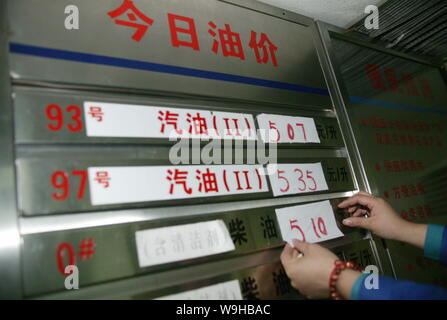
352	209
301	246
358	199
287	254
295	254
360	212
360	222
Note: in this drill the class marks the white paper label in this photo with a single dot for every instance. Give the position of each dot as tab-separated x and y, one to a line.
296	178
183	242
313	222
136	121
113	185
287	129
229	290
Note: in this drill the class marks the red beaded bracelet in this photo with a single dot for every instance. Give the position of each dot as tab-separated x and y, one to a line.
339	266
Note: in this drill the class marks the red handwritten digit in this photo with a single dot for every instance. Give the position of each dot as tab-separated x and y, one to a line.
322	226
279	172
309	177
290	132
300	178
302	128
54	113
293	225
272	125
315	228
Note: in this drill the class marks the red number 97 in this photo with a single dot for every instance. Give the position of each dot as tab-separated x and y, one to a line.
60	181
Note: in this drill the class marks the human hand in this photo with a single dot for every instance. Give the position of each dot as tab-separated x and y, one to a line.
381	219
309	273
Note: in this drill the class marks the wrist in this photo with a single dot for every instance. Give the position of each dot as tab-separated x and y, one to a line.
346	283
342	279
412	233
404	231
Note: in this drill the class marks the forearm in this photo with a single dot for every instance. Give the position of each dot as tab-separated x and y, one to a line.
412	233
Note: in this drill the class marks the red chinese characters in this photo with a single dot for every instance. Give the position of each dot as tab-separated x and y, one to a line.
197	124
215	180
183	33
400	166
383	78
168	118
205	124
102	177
264	48
405	191
178	177
132	15
417	213
208	181
96	113
229	41
190	32
404	133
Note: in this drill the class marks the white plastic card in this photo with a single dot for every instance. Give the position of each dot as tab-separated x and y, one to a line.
294	178
114	185
314	222
138	121
287	129
182	242
229	290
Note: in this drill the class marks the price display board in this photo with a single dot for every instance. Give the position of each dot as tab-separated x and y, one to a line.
160	157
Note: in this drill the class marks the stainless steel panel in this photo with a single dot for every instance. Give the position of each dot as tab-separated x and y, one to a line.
135	286
103	53
362	253
395	108
265	282
10	279
113	248
31	120
36	192
51	223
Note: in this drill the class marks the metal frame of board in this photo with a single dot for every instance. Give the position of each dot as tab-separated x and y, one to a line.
339	94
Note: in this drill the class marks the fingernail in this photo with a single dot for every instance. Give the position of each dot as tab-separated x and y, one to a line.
347	222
